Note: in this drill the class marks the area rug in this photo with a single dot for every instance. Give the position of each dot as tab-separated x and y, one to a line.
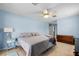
11	53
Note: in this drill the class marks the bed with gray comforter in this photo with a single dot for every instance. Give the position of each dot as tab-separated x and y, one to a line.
35	45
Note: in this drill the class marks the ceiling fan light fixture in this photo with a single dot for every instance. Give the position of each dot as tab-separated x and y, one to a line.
46	16
45	11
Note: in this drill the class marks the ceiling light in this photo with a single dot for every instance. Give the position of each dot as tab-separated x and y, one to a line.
46	16
45	11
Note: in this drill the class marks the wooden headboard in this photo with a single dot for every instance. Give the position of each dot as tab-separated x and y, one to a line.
65	39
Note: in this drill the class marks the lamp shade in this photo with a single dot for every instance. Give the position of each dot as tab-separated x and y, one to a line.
8	29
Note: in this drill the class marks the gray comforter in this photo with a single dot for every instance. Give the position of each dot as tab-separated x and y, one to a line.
36	44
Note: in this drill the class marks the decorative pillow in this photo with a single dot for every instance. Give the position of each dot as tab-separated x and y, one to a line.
35	34
25	35
29	34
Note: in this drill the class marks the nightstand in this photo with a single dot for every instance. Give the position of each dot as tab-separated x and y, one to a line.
10	44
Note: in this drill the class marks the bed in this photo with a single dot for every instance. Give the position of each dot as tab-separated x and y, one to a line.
34	44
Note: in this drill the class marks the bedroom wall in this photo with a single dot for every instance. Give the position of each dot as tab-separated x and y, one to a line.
1	19
69	26
22	24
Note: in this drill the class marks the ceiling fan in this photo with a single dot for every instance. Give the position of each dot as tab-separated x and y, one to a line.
46	12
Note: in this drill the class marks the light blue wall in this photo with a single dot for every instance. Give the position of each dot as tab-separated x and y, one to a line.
69	26
1	19
22	24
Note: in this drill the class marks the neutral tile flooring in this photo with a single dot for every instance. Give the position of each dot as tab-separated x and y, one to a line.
61	49
19	50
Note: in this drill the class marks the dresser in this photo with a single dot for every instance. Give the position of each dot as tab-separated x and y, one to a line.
65	39
6	42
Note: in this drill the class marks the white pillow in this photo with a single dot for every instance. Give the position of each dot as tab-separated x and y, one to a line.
35	34
25	35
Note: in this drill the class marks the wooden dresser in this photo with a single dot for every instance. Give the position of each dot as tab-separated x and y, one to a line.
65	39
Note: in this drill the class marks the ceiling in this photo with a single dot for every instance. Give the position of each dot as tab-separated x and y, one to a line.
28	9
